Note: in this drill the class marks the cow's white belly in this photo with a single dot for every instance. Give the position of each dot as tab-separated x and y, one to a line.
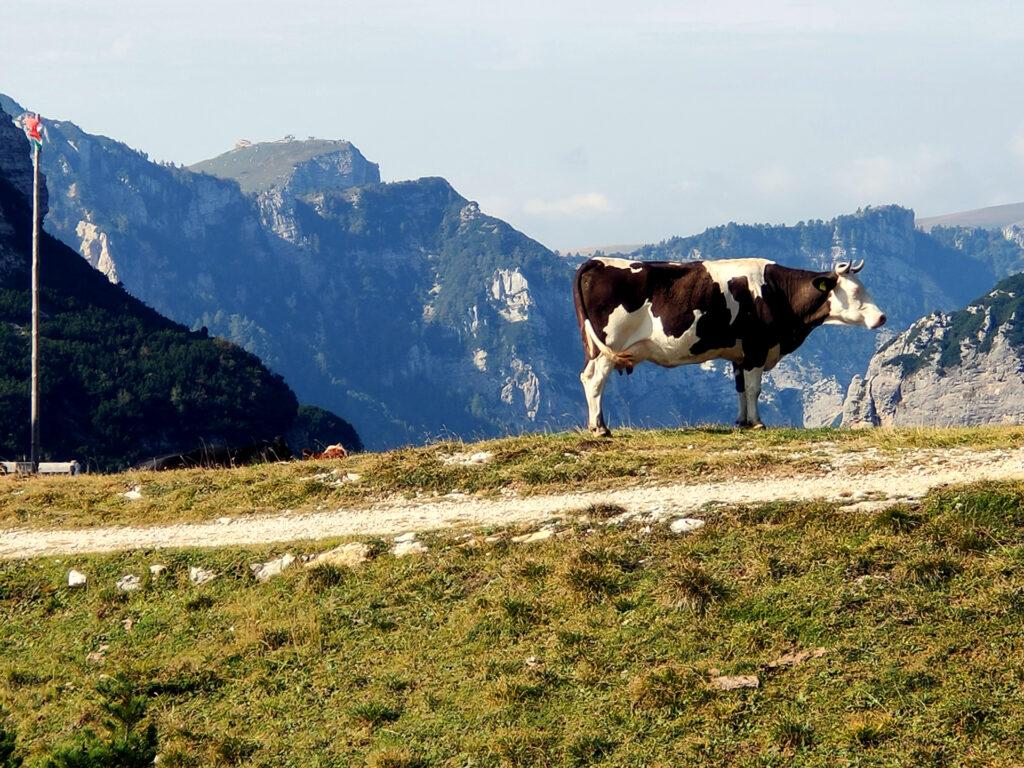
643	335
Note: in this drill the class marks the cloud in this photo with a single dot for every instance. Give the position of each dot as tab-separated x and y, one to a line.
889	178
122	47
1017	143
775	180
574	206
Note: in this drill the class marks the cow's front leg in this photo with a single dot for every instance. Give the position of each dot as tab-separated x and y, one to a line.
741	417
594	377
752	391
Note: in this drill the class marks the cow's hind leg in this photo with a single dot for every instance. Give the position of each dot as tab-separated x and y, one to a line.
741	418
594	377
752	390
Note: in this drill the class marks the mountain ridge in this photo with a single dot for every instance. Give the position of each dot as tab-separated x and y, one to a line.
377	299
990	217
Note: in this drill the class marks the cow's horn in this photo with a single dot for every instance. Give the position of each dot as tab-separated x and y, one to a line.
857	266
842	267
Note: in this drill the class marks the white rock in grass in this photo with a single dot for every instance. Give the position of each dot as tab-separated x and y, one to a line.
200	575
403	548
271	568
76	578
467	459
99	655
352	477
345	555
134	494
410	536
685	525
156	570
129	582
733	682
529	538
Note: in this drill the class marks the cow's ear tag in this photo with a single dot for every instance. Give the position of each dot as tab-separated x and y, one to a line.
822	285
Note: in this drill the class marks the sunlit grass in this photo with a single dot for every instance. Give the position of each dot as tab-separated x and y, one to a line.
527	464
592	648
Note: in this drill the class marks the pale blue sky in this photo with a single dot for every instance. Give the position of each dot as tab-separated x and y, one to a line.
581	123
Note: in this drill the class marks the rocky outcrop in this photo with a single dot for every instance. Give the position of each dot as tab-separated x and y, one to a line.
278	173
956	369
510	292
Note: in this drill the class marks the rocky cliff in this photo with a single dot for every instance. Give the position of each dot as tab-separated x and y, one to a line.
278	173
962	368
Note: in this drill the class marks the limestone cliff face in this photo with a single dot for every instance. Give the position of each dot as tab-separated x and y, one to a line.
954	369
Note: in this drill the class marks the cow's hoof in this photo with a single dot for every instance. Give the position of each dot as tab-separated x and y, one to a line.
758	425
742	424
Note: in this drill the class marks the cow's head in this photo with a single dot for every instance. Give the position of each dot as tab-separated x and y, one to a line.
849	302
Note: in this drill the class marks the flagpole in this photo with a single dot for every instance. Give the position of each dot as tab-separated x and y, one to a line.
35	309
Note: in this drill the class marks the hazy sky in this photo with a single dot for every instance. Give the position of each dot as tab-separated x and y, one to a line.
581	123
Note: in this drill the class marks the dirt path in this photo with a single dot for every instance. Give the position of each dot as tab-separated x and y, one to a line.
911	476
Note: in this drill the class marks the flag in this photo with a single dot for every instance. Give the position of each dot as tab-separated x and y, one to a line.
33	126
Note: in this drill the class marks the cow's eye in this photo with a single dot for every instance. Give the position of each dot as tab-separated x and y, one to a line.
822	285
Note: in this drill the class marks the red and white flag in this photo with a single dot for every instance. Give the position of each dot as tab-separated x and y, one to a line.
32	124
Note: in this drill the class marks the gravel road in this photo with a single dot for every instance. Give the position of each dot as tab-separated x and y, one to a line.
910	475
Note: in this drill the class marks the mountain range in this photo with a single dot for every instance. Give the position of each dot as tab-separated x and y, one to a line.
409	311
119	382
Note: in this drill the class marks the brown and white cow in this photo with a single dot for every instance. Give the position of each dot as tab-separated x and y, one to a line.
748	311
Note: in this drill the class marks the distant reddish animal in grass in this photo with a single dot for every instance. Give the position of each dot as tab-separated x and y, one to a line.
336	451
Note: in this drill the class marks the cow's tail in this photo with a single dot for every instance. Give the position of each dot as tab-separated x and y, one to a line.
621	359
592	345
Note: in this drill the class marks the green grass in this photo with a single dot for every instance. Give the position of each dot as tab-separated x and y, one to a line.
528	464
593	648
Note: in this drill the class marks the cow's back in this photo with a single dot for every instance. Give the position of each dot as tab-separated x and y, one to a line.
606	284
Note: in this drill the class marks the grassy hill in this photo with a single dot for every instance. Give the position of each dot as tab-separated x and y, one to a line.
890	636
259	167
